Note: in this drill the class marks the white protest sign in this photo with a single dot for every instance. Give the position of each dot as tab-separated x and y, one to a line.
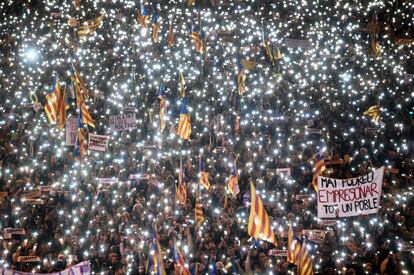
71	131
123	122
349	197
278	253
314	235
98	142
285	172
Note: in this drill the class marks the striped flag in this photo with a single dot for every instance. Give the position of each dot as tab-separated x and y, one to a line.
305	262
61	108
79	84
80	143
181	84
259	226
293	248
317	170
143	16
155	27
86	116
170	35
233	184
241	76
184	124
155	262
199	217
373	112
197	38
181	190
89	26
180	267
163	106
51	101
204	176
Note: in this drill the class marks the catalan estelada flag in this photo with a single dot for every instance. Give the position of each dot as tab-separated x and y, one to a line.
204	176
51	101
373	112
198	215
181	83
86	116
80	143
184	125
305	266
197	38
170	35
155	263
79	84
89	26
181	189
143	16
317	170
180	267
61	109
259	226
293	247
233	184
155	27
163	106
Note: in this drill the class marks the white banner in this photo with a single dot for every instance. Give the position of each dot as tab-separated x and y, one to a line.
123	122
285	172
83	268
278	253
98	142
71	130
9	231
349	197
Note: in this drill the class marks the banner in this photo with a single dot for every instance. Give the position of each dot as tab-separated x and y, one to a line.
71	131
9	231
83	268
284	172
278	253
349	197
28	259
139	177
314	235
327	222
98	142
107	181
123	122
407	247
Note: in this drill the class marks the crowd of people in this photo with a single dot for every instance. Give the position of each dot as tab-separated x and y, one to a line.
310	101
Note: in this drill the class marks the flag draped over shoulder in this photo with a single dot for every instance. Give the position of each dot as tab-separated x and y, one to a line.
89	26
259	226
155	262
143	16
305	266
179	263
373	112
199	217
204	176
181	189
233	183
184	124
163	106
293	247
51	101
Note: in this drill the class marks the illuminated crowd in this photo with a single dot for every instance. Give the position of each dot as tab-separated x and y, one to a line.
305	100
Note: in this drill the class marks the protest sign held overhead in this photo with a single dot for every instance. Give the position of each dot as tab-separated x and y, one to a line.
123	122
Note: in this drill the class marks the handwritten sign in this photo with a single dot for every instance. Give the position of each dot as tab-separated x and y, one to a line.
71	131
98	142
28	259
407	247
123	122
349	197
316	236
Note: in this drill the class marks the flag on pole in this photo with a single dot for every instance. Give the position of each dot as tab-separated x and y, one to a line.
155	27
143	16
233	184
51	101
170	35
89	26
199	217
80	143
305	266
181	189
61	108
373	112
204	176
259	226
318	169
163	106
155	263
180	267
79	84
293	249
197	38
181	84
184	125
